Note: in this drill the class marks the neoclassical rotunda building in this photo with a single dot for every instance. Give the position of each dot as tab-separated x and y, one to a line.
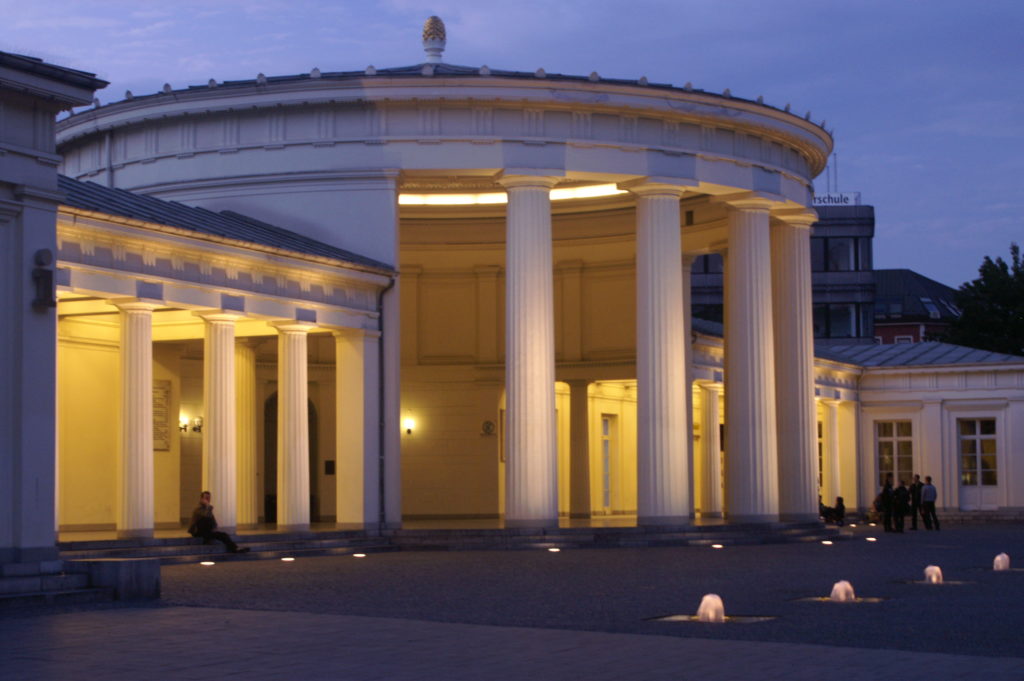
447	292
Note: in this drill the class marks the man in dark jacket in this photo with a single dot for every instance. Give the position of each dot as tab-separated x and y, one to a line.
204	525
915	500
885	501
900	504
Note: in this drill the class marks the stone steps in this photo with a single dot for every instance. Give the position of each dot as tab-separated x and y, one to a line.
271	546
61	597
261	547
519	538
46	582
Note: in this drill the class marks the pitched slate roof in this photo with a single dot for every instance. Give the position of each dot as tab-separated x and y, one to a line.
706	327
912	354
226	224
911	293
22	62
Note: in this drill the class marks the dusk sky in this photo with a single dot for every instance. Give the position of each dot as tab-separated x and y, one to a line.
926	98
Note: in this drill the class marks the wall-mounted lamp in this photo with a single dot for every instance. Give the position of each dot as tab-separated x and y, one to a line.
197	424
183	423
408	424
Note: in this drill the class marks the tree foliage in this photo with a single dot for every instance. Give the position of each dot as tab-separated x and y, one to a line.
992	307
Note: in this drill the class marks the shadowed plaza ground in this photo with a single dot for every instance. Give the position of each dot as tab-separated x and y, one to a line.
573	614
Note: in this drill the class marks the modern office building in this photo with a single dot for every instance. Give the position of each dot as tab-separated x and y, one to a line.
841	271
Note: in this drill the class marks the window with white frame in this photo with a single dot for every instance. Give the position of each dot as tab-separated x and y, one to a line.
978	464
895	446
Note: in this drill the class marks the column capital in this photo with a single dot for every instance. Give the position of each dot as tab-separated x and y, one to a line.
711	387
253	342
292	326
217	315
749	201
796	217
658	186
515	178
134	305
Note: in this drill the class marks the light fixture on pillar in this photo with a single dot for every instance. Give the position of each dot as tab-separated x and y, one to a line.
408	423
197	424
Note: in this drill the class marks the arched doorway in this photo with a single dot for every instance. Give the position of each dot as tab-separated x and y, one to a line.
270	461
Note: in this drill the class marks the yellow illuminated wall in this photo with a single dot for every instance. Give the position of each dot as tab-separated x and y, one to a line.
87	406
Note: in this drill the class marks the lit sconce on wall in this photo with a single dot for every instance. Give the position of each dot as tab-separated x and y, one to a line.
183	423
408	423
197	424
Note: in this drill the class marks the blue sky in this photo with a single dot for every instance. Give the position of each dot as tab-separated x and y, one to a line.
926	98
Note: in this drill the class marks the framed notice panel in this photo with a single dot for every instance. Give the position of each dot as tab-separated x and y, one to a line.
161	415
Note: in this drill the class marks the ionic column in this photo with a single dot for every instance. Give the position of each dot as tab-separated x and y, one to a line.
292	427
531	471
832	478
751	461
245	419
357	395
711	452
794	361
135	473
219	422
662	353
579	450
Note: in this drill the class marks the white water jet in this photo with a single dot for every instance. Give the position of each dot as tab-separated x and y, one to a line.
842	591
933	574
711	609
1002	562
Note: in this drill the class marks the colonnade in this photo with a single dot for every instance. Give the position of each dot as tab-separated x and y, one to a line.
770	465
771	456
229	444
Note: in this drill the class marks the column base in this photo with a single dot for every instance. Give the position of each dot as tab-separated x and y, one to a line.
301	527
663	520
712	514
798	518
531	523
767	518
135	534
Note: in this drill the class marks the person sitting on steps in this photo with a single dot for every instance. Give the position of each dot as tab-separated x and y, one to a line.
836	514
204	526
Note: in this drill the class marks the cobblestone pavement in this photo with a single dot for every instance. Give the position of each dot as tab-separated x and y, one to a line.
583	614
208	643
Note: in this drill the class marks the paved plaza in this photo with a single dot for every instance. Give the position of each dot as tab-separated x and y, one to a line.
584	614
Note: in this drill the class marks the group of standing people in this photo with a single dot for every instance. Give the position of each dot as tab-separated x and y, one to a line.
896	503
